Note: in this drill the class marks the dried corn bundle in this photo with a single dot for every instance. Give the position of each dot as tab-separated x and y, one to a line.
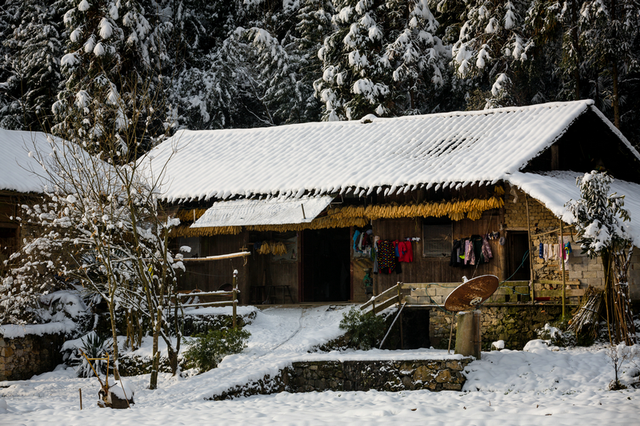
474	214
278	249
456	216
189	215
344	217
265	248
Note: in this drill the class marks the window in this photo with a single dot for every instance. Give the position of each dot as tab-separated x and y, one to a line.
437	237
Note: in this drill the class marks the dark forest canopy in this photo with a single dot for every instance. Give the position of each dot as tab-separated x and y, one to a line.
80	66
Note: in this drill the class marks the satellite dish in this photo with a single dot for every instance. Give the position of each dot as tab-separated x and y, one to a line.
468	295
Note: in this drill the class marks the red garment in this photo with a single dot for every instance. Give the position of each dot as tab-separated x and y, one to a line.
405	251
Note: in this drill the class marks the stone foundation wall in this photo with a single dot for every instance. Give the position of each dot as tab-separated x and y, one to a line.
393	376
379	375
23	357
515	324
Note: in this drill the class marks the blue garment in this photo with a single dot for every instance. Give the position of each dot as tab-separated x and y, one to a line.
356	234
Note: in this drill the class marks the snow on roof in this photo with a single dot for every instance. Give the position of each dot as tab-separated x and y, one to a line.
437	149
274	211
555	189
15	163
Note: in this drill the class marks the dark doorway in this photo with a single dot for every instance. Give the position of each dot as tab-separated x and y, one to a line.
517	256
415	328
325	265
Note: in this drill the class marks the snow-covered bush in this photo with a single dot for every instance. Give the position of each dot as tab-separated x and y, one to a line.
557	336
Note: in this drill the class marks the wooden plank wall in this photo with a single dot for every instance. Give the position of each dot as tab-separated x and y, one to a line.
424	269
210	275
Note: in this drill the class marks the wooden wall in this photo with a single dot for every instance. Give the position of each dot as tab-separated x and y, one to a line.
210	275
424	269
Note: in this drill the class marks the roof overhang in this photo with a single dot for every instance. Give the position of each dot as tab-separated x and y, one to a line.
555	189
274	211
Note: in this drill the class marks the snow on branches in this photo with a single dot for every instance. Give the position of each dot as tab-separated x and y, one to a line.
600	223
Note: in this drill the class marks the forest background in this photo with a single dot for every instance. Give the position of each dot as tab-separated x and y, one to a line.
70	66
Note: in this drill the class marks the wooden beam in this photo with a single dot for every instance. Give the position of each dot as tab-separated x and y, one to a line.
219	257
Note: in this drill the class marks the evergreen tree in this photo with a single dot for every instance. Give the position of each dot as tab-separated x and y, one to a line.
380	58
113	53
492	46
314	25
609	33
34	48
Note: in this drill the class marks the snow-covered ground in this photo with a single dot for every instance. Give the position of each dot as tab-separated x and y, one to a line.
535	387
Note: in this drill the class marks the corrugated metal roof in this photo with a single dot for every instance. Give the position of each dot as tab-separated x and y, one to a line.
323	158
276	211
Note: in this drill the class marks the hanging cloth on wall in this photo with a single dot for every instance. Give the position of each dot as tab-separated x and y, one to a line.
469	253
386	256
404	251
486	250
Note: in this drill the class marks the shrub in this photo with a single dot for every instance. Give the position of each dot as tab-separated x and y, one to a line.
94	346
207	350
365	330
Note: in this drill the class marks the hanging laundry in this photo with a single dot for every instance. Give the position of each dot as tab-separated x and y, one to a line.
476	241
469	255
386	256
405	251
356	237
486	250
541	251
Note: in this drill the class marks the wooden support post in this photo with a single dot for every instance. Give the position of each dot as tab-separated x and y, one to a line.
80	391
235	296
532	290
564	282
400	304
453	315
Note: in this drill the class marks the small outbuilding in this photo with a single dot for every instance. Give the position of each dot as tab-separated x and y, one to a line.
18	183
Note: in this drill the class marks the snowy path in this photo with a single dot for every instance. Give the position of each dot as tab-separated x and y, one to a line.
542	387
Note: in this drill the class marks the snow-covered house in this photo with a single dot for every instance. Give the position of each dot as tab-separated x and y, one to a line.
300	197
18	183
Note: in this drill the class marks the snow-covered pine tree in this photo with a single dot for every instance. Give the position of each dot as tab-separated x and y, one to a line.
554	28
491	46
114	52
608	34
383	58
34	47
600	223
417	56
313	26
356	75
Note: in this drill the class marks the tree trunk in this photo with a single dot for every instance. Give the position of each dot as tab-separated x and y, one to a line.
614	75
153	381
576	48
114	335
